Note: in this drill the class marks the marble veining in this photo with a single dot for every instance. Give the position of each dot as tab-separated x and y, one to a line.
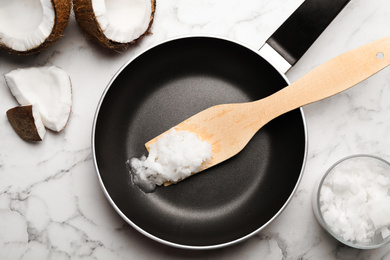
51	202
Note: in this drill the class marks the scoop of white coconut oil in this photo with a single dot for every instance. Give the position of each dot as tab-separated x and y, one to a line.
175	156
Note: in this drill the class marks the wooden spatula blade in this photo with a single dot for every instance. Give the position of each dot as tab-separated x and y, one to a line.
227	127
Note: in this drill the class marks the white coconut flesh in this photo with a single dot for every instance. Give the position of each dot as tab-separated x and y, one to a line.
122	20
38	121
48	88
25	24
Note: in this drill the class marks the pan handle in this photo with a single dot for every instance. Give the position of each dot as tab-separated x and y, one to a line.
294	37
330	78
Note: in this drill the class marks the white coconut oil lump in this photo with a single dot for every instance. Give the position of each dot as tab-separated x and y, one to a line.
175	156
355	200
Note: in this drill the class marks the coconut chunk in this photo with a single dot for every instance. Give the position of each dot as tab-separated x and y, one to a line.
27	122
49	88
115	24
29	26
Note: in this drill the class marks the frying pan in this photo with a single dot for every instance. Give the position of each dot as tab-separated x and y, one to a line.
173	81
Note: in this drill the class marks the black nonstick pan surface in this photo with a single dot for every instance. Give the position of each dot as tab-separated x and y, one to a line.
164	86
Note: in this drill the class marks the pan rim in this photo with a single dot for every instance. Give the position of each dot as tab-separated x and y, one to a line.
118	210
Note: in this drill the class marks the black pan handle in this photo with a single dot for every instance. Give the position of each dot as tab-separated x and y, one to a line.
302	28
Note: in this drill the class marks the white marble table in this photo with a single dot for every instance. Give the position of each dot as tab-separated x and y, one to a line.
51	204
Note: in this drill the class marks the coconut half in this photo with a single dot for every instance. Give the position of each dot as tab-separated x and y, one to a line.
116	24
27	123
48	88
29	26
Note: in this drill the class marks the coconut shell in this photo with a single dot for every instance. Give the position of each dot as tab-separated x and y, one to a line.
62	9
90	27
22	120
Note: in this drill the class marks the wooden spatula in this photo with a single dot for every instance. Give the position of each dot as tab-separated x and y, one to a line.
229	127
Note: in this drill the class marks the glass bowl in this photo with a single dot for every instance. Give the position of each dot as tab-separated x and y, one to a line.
352	201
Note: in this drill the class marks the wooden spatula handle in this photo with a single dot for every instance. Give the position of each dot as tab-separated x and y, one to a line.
332	77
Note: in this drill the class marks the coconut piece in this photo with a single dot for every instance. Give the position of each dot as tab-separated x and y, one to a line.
49	88
27	122
115	24
29	26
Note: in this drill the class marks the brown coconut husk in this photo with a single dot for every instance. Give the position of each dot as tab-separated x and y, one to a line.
90	27
62	9
22	120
